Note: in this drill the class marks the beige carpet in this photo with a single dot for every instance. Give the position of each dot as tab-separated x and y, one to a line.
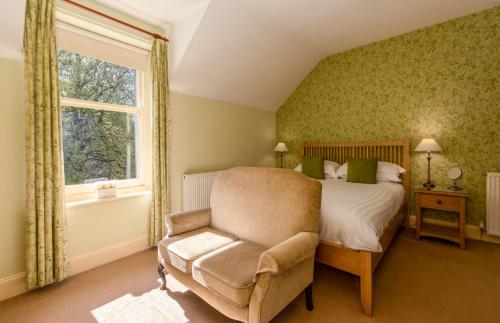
151	307
417	281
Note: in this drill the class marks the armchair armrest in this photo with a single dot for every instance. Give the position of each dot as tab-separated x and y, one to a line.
288	253
181	222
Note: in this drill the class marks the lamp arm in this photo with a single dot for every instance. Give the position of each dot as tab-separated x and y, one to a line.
428	184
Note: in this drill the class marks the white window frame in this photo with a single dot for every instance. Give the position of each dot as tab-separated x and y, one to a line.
142	110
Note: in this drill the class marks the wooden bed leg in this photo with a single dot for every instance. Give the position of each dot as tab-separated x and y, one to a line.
366	283
407	217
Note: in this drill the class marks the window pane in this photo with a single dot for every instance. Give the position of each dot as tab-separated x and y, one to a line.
87	78
98	145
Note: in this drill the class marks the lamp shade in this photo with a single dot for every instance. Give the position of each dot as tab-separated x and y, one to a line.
428	145
281	147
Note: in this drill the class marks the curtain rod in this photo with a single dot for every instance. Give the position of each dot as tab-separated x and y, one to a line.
116	20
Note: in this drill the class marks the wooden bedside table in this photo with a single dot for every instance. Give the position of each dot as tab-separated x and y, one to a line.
445	200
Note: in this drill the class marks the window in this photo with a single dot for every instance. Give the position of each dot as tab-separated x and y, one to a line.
104	116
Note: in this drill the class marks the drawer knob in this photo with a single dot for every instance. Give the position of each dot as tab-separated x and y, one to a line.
439	201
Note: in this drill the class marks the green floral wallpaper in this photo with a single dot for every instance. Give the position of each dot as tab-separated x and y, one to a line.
440	82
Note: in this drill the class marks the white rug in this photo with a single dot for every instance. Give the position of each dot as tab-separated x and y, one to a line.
154	306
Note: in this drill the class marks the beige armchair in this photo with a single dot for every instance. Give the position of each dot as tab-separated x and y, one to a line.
252	252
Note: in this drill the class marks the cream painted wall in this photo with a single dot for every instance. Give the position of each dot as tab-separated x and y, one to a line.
12	168
210	135
96	226
206	135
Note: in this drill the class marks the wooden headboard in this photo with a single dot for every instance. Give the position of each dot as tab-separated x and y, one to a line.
397	152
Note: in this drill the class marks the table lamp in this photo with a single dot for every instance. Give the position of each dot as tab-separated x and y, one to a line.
281	148
428	145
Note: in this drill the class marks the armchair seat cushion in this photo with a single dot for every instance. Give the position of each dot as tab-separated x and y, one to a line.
230	271
182	250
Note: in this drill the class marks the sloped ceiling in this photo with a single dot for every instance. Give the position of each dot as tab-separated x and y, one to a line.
255	52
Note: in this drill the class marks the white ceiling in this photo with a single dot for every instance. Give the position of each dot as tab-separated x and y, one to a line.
255	52
166	12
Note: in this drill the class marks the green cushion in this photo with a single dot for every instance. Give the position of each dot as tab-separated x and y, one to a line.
313	167
362	170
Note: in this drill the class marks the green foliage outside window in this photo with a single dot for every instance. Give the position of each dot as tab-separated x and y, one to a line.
97	144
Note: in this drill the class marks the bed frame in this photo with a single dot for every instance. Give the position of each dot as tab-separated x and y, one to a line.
359	262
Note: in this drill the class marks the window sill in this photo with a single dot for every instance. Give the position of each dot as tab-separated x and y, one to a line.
92	201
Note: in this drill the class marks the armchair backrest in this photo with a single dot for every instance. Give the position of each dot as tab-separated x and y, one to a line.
265	205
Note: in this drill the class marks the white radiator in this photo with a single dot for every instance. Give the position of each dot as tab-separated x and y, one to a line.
196	189
493	203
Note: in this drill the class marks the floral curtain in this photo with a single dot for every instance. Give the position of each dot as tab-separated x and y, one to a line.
161	136
46	260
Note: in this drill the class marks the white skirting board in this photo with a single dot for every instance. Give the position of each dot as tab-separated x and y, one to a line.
15	285
471	231
12	286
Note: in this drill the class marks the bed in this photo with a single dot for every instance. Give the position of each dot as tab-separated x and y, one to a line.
364	256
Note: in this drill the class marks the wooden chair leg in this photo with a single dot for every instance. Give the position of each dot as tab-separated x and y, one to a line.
161	273
366	283
309	298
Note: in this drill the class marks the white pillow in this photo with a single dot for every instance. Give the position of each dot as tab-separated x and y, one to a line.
330	168
342	171
386	172
389	172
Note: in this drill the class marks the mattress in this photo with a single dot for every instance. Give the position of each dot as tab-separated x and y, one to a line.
355	215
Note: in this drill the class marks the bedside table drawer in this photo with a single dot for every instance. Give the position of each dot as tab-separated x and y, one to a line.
444	202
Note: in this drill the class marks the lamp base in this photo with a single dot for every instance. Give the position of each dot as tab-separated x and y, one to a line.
429	185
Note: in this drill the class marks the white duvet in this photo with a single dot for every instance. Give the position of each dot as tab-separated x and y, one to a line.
355	215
